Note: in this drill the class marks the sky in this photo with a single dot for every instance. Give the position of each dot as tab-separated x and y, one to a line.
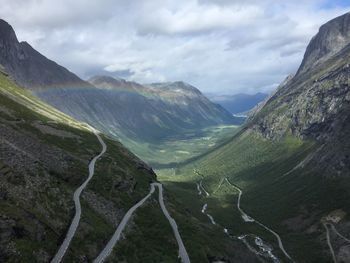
219	46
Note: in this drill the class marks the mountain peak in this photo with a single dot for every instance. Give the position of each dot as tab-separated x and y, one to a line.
7	34
6	31
29	68
108	82
330	39
105	78
177	86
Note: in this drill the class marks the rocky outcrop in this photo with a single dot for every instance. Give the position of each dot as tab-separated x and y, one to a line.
315	103
331	38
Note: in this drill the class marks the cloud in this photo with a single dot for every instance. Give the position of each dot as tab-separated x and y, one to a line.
196	19
220	46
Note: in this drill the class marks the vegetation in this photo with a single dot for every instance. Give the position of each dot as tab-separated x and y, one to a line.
36	204
173	151
275	191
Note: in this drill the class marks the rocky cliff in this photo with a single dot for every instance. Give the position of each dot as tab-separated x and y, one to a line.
315	103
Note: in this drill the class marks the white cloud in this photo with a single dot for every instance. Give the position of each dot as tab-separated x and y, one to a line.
193	18
220	46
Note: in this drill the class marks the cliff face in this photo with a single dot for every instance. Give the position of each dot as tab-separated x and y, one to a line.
29	68
315	103
331	38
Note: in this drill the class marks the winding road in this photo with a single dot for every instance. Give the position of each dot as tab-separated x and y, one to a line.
329	238
199	189
247	218
329	243
182	250
115	238
113	241
76	197
265	250
201	185
204	208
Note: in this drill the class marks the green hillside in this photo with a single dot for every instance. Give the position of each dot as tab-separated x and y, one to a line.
44	158
274	191
290	160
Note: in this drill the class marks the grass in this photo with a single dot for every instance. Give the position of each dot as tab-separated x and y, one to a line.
118	180
173	151
272	195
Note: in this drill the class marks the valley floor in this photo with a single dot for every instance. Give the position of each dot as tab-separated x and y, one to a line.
173	151
282	209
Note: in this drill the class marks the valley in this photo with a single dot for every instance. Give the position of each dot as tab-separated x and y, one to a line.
175	150
111	170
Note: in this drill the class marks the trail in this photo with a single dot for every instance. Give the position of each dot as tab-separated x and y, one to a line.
115	238
76	197
248	218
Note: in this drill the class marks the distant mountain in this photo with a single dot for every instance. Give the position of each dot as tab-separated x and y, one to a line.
155	111
238	103
29	68
125	110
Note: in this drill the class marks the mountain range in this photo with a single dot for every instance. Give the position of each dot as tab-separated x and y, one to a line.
128	111
276	191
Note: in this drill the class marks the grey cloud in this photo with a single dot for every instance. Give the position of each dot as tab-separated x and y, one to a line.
220	46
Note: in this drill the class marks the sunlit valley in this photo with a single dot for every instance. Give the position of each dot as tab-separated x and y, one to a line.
115	163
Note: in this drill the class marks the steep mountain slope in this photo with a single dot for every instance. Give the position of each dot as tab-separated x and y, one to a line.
139	116
170	107
44	158
314	105
239	103
291	160
331	38
29	68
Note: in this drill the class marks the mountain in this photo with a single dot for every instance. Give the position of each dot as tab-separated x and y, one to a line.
290	161
28	67
331	38
138	115
147	113
315	103
44	158
239	103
